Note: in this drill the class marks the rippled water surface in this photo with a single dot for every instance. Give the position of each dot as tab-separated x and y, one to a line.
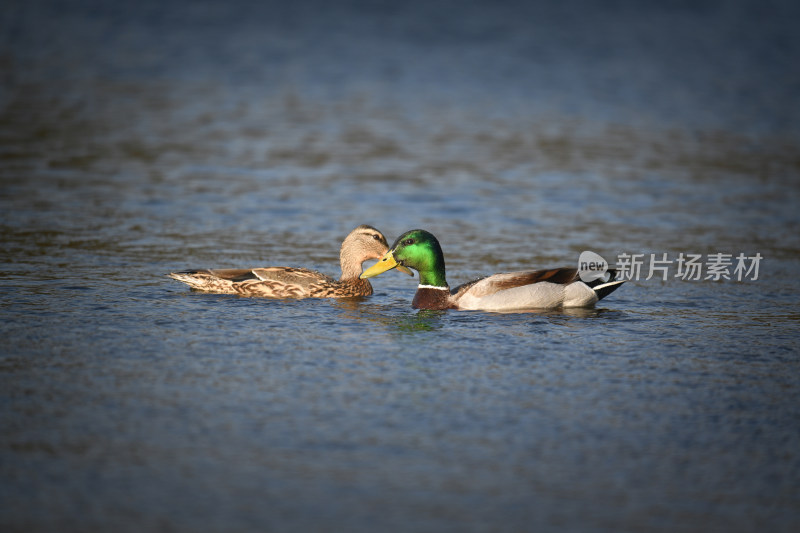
139	140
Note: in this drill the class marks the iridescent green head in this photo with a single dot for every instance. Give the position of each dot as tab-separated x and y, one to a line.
417	249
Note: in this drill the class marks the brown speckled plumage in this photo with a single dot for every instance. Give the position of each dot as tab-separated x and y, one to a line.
362	244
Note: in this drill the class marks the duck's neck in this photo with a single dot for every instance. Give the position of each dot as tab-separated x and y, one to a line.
433	278
432	292
431	297
351	268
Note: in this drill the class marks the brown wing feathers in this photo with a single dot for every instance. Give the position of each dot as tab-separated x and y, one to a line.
561	276
233	274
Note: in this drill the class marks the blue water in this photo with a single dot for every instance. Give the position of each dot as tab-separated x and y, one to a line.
140	139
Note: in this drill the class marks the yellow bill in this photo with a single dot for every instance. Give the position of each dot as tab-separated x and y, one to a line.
407	270
386	262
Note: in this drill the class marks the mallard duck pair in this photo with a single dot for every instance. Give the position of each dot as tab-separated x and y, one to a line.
418	250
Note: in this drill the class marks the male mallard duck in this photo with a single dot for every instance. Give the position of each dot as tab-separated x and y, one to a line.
363	243
530	289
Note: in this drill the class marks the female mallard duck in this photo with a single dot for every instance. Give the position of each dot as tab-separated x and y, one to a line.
530	289
363	243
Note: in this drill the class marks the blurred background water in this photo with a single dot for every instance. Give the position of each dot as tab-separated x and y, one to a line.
142	138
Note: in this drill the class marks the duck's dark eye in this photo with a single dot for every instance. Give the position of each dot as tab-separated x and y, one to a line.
408	242
376	237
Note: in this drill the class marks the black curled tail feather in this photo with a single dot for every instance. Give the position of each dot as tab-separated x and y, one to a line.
605	285
608	277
